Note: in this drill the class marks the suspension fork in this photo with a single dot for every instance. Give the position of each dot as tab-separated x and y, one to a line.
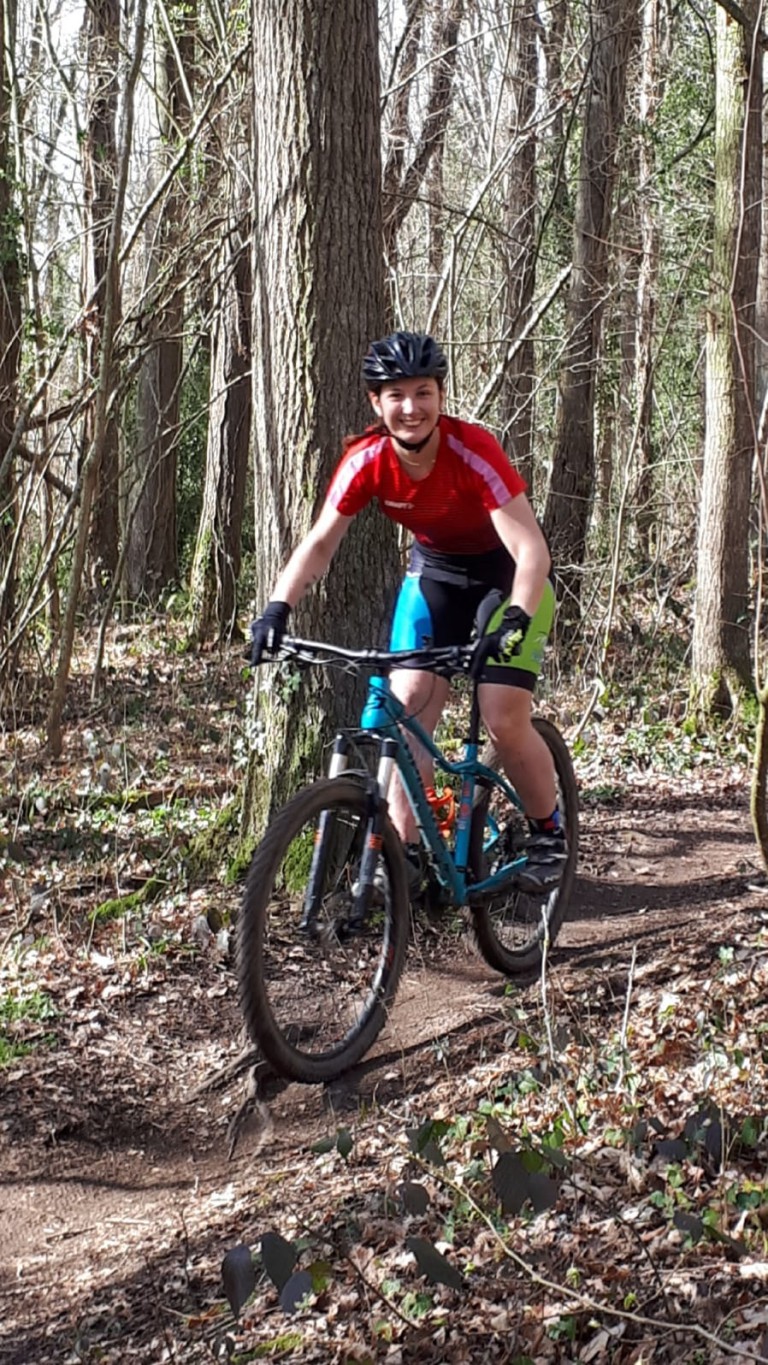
378	793
321	850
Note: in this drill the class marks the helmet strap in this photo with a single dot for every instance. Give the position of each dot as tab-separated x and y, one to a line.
413	446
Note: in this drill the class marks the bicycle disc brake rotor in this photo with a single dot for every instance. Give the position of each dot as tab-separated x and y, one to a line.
321	976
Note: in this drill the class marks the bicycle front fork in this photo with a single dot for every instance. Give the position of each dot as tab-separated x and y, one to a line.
378	791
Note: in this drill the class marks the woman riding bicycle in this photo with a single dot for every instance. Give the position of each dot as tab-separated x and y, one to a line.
451	485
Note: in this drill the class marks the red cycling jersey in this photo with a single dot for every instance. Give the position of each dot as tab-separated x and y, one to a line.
449	511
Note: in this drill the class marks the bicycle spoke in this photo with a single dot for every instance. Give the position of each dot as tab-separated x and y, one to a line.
512	926
316	973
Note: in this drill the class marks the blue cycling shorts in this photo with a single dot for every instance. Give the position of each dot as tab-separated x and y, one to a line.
438	602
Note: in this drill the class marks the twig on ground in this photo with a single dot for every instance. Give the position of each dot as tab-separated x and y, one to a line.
625	1021
573	1296
545	1006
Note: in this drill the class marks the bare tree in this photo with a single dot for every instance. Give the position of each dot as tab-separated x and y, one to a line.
650	94
318	300
105	393
216	567
408	159
99	157
569	500
151	559
721	668
10	322
517	390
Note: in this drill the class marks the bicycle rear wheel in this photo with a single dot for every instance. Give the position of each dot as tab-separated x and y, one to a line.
511	927
315	989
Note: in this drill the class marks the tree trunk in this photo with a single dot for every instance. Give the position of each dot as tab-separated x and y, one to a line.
721	668
216	566
758	804
104	393
152	559
318	300
517	390
569	500
99	158
10	323
647	282
553	145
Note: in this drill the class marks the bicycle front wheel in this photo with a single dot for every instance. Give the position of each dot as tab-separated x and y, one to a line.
316	980
511	927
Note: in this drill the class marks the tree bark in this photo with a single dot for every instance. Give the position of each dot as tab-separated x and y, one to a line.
216	566
570	494
99	158
318	300
10	324
721	668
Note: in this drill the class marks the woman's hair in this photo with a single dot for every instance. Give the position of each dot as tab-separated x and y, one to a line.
375	429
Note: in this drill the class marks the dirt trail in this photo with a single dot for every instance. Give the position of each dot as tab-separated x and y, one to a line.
117	1200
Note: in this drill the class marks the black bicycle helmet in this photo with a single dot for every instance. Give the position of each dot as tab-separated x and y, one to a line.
403	355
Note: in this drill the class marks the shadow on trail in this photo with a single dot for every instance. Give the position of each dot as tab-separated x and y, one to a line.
605	900
386	1071
96	1182
145	1309
650	801
605	926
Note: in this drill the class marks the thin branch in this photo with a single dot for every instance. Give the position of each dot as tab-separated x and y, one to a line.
494	383
577	1300
50	478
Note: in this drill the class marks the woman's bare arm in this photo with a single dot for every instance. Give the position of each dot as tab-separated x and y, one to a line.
311	557
520	532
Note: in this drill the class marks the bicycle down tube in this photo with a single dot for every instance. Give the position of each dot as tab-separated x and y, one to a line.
384	715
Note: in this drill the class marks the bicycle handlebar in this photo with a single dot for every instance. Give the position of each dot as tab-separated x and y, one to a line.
458	658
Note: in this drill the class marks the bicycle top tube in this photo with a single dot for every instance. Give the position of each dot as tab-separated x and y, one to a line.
457	658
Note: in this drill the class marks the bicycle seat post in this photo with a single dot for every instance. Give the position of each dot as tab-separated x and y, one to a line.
473	734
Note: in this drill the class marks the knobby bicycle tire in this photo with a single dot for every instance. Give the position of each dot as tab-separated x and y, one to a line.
511	928
300	988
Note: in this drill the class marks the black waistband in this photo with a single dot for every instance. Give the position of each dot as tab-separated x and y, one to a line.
491	569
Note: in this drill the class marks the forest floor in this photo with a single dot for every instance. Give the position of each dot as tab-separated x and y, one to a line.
571	1172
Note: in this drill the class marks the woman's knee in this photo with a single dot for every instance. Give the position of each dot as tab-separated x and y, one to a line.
506	711
423	694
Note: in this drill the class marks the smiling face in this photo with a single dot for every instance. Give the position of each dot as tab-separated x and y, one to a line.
409	408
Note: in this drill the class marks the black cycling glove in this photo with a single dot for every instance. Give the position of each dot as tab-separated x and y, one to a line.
267	630
503	643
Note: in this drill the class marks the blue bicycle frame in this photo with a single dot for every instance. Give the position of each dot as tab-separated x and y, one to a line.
384	715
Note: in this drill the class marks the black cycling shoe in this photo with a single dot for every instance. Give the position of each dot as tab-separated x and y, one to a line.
547	852
416	868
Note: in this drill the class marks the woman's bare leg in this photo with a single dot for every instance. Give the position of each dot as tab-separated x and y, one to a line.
424	695
525	758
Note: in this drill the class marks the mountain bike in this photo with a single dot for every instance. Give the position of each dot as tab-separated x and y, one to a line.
325	916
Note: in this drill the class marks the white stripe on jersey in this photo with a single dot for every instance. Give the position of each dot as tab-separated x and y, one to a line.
349	469
482	467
